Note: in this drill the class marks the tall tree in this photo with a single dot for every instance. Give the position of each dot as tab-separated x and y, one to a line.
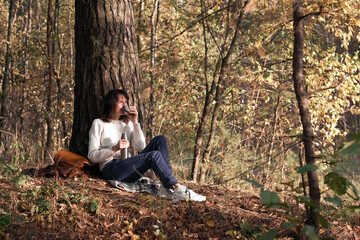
303	104
106	58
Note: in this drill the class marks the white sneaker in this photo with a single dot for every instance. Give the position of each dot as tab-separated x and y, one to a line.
183	193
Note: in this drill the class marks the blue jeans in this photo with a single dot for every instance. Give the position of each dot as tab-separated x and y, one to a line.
155	156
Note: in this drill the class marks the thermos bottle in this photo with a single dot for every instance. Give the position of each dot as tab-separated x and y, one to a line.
124	151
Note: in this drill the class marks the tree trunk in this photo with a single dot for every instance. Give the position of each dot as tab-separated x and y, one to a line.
24	93
106	58
71	75
61	131
7	68
301	97
223	63
207	151
154	21
274	126
140	27
48	116
206	108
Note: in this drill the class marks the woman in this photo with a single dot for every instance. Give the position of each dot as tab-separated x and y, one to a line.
105	145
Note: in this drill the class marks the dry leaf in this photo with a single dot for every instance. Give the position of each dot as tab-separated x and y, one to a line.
210	223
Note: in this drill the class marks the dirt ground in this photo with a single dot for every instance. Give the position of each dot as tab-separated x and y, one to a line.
56	208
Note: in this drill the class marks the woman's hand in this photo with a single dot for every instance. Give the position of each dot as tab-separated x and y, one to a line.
133	115
123	143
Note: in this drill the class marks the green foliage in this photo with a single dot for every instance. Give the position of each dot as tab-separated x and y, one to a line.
271	199
246	230
94	207
42	206
335	200
76	198
306	168
309	232
254	183
336	182
322	221
350	148
4	220
269	235
14	173
288	225
341	185
305	200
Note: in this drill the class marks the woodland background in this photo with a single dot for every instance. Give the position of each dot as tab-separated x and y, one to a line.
254	135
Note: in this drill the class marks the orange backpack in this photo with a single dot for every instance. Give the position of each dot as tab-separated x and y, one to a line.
68	165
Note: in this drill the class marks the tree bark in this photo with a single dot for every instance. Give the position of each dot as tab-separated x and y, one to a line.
303	104
274	126
7	68
24	93
140	27
48	116
57	69
106	58
154	21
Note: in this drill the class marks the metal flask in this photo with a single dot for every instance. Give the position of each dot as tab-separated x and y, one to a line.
124	151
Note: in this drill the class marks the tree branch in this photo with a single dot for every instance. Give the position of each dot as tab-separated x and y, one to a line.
192	24
314	13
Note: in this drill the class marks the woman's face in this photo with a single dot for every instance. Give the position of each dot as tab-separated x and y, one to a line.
120	103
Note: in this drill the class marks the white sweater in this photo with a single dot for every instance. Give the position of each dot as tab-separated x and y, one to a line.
104	135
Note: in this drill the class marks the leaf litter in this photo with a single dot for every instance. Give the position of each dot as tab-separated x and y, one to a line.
50	208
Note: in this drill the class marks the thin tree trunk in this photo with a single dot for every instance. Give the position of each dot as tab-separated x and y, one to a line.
24	93
71	67
71	60
139	23
303	181
154	21
219	91
48	116
7	68
205	113
303	104
57	69
272	137
203	10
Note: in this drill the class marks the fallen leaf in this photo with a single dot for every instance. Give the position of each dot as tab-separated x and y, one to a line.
210	223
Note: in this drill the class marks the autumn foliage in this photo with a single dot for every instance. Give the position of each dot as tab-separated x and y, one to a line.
216	80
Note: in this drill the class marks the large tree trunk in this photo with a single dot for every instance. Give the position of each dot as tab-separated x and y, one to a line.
106	58
301	97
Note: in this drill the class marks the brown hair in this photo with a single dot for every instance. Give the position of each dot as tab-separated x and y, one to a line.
109	102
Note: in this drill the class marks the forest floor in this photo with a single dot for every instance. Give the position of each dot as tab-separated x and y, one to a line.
56	208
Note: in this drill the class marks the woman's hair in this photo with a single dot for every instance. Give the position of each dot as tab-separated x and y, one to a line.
109	102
